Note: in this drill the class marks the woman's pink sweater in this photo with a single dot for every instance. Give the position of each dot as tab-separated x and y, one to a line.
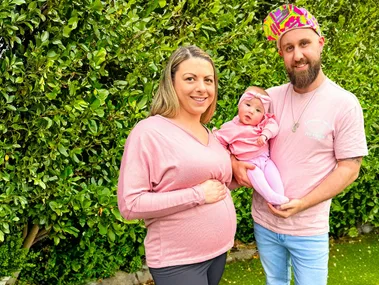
161	169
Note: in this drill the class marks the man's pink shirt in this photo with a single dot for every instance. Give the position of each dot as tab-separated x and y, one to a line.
330	128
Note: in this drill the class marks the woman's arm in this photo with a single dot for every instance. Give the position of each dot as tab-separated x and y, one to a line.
139	173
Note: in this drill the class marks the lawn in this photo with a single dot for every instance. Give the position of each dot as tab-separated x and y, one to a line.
352	261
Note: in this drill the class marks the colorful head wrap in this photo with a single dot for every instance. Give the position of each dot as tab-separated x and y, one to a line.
266	100
286	18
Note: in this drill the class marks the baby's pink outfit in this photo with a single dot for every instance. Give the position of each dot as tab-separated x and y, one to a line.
241	141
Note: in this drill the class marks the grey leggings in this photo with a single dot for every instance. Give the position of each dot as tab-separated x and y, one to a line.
204	273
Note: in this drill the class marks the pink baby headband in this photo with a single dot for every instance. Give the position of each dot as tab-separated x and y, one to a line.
286	18
266	100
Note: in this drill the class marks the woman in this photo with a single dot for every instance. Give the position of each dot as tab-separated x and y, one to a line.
174	175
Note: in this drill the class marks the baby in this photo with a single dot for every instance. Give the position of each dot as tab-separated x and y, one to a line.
246	138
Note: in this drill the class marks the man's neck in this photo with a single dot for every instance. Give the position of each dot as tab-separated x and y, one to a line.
314	85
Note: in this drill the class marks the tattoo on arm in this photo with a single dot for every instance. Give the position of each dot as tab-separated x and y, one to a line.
357	160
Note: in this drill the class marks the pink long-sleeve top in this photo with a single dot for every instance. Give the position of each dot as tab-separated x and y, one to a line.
241	139
161	169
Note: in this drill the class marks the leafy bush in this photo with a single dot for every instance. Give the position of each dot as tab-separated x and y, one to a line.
12	255
75	77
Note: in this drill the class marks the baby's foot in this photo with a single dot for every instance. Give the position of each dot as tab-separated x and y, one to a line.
278	200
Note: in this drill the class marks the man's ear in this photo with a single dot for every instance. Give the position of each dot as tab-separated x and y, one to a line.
280	52
321	42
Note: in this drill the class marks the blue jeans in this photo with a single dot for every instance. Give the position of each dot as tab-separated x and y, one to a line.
308	256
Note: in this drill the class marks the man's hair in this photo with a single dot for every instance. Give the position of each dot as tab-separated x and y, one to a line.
165	101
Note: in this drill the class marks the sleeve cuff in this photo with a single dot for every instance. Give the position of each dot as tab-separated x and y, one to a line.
199	193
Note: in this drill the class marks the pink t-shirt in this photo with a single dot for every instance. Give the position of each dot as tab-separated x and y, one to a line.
161	169
241	139
330	128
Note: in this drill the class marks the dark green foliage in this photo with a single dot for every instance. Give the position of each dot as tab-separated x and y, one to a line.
12	255
75	77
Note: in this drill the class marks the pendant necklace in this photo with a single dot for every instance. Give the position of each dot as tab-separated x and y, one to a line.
296	123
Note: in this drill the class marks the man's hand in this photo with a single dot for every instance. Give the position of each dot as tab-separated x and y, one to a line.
240	171
287	210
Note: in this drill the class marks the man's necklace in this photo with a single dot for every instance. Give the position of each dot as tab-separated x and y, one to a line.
296	123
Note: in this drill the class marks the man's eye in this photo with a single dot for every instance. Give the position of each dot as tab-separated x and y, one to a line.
289	49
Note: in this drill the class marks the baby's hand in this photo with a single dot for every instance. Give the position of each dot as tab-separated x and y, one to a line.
262	140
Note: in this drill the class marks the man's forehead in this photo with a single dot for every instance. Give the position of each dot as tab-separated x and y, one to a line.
297	35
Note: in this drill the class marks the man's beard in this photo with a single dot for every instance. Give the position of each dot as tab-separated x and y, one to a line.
302	79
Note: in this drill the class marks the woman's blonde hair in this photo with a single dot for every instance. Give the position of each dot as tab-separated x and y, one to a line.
165	101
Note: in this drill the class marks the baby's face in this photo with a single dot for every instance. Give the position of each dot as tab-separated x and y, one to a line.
251	111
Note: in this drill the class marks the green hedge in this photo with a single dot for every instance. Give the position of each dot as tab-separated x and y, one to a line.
75	77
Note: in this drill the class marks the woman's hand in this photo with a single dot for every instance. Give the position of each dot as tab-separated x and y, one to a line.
240	169
214	191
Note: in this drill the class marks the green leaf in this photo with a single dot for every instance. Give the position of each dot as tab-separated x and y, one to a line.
51	54
62	150
208	28
92	125
102	229
56	240
18	2
42	184
66	31
142	103
117	214
6	228
97	5
11	107
99	56
111	235
49	122
45	36
102	95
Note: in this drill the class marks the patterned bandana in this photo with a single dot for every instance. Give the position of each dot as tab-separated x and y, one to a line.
286	18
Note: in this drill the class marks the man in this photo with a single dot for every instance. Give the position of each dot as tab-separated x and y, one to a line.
318	152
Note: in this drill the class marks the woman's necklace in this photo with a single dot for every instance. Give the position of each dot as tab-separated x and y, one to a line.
296	123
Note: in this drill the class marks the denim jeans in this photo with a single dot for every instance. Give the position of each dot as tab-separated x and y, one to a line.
308	256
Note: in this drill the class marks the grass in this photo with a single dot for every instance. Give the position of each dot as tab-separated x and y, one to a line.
352	261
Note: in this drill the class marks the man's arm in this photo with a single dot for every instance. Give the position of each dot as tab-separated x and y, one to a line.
240	169
346	172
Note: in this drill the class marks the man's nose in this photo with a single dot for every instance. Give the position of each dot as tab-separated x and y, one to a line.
298	55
